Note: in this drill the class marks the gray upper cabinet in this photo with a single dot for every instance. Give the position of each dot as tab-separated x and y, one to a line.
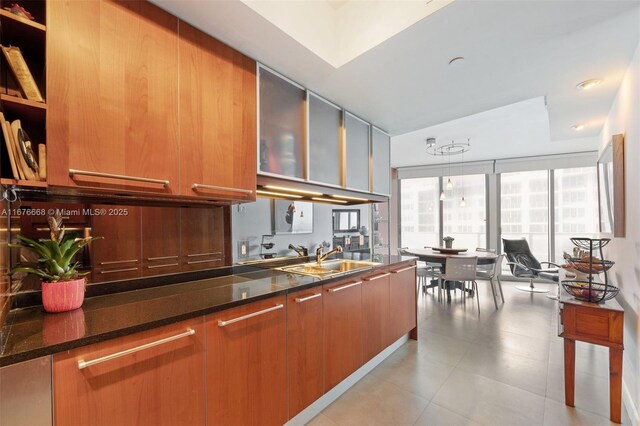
357	149
381	176
325	124
282	126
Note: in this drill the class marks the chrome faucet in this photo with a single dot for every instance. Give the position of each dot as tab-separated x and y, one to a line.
322	256
301	250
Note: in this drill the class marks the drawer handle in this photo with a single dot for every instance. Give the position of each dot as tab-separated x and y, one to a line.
204	254
344	287
66	228
115	262
255	314
162	266
162	258
304	299
74	172
404	269
197	186
377	277
193	262
113	271
84	364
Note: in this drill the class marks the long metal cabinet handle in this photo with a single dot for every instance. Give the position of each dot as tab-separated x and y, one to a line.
304	299
84	364
377	277
197	186
162	266
255	314
404	269
213	253
162	257
193	262
116	262
113	271
74	172
344	287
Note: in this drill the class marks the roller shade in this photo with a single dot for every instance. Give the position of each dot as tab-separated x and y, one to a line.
470	168
547	162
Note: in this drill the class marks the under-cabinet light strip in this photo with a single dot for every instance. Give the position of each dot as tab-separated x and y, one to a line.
295	190
344	197
277	194
329	200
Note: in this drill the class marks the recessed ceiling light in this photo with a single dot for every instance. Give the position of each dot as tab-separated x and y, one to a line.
457	61
588	84
577	127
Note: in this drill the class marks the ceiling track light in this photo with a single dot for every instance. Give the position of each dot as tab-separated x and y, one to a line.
588	84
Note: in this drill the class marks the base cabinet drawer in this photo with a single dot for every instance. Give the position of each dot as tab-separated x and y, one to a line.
402	301
342	344
154	377
246	364
375	314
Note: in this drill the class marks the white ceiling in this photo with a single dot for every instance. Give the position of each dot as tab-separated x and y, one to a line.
521	128
514	50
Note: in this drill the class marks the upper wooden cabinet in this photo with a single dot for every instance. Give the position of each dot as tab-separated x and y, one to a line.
217	119
112	85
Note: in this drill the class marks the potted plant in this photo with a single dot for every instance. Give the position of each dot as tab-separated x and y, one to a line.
63	286
448	241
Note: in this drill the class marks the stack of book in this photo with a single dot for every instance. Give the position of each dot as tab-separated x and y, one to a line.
25	163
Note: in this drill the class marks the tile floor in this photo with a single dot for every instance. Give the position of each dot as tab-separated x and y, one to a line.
502	367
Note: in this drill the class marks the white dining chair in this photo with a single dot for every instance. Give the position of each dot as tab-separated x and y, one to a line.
462	269
491	275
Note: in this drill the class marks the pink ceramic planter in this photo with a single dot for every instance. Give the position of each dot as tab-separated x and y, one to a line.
63	296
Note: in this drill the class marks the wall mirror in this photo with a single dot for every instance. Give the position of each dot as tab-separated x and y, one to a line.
611	196
346	220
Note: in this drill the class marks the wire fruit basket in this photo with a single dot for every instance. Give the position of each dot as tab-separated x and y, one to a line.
588	288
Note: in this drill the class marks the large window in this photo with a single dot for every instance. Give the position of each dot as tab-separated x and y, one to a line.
420	221
466	222
576	207
524	209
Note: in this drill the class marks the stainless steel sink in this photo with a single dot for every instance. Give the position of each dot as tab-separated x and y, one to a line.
329	268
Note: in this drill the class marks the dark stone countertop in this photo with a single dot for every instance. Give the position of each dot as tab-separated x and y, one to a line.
31	333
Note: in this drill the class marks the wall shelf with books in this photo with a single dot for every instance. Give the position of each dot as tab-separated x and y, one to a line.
23	111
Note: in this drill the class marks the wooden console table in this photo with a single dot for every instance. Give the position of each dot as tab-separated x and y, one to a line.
600	324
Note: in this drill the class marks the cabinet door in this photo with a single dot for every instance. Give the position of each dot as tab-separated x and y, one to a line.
342	318
116	256
246	365
160	240
161	385
325	127
304	349
403	299
357	148
217	118
375	314
282	126
201	238
380	152
112	81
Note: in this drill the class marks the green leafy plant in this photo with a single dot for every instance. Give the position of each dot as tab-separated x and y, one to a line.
55	255
448	239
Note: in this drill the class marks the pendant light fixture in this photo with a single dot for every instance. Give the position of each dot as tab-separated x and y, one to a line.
448	149
463	203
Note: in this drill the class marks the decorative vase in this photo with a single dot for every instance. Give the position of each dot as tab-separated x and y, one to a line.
448	244
63	296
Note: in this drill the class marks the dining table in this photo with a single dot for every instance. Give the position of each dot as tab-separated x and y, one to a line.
431	256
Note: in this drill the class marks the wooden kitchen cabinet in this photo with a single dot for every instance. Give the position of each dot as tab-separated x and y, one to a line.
217	119
402	300
160	240
246	364
375	314
112	86
116	256
160	385
304	348
342	343
201	238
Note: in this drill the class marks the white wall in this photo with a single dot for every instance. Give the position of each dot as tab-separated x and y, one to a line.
624	118
251	221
